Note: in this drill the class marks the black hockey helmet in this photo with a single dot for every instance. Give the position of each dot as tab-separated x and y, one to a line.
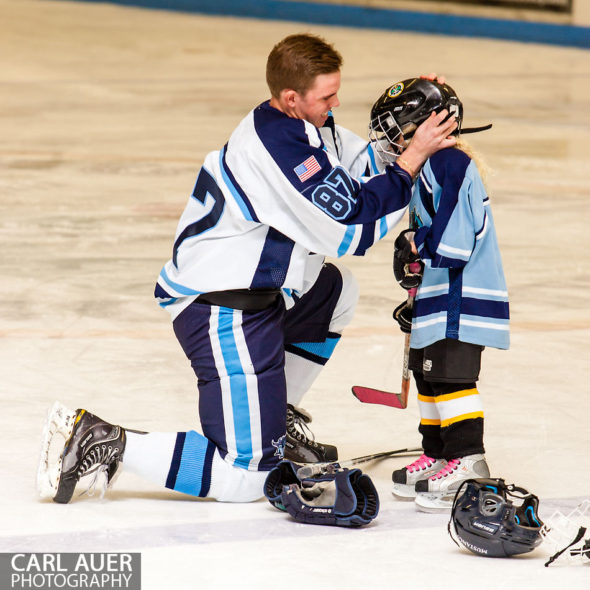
406	104
486	521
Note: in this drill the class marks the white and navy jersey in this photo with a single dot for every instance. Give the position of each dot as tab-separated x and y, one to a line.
267	207
463	294
354	153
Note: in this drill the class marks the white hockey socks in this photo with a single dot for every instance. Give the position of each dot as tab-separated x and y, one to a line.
150	455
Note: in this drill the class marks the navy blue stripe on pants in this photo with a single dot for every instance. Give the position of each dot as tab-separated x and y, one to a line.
238	358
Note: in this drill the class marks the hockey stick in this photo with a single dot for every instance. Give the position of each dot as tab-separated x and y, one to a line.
320	468
369	395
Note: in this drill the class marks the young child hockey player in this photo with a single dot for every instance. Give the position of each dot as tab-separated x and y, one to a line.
461	304
254	307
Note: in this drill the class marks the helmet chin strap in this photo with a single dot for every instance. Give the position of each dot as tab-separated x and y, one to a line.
476	129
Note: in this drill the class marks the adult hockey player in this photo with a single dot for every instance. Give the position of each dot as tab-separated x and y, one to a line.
253	305
461	304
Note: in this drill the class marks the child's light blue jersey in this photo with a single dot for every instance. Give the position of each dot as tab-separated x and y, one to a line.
463	294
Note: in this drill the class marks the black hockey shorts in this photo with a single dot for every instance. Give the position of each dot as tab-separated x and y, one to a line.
447	361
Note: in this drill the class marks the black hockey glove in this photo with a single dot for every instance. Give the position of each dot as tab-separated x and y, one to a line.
405	262
335	496
284	474
402	314
344	498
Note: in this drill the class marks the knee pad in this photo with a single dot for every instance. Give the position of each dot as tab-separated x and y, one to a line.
344	310
234	484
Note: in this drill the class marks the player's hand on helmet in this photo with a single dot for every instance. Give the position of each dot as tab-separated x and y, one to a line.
402	314
432	135
435	133
434	78
407	266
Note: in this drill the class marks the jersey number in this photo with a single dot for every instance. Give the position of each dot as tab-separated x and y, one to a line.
335	195
205	185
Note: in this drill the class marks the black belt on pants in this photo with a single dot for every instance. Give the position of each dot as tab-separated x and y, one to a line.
243	299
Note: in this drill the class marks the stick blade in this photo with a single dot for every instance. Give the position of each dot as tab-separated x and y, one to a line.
368	395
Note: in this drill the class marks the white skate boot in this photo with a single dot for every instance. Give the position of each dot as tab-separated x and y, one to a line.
436	494
404	479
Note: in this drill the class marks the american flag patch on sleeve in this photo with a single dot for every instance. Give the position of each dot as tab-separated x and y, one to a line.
307	169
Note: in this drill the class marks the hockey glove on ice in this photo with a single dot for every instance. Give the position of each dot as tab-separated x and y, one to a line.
405	261
337	497
284	474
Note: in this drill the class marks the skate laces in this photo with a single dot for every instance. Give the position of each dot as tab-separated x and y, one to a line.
423	462
100	455
451	466
98	461
296	420
100	481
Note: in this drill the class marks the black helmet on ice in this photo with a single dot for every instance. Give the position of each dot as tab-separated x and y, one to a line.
486	521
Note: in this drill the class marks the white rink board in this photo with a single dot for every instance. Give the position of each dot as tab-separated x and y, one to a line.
107	114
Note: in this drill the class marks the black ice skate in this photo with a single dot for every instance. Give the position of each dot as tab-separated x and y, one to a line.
92	446
299	447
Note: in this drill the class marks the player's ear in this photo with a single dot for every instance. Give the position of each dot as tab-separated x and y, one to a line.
289	97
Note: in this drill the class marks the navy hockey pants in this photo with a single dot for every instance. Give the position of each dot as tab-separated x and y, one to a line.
239	359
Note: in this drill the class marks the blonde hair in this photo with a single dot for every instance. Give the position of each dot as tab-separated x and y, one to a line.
484	170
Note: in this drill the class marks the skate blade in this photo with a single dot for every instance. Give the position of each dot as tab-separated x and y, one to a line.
433	503
60	420
403	492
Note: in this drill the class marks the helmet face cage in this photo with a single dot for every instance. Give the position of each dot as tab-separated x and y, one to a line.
567	536
386	136
486	522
